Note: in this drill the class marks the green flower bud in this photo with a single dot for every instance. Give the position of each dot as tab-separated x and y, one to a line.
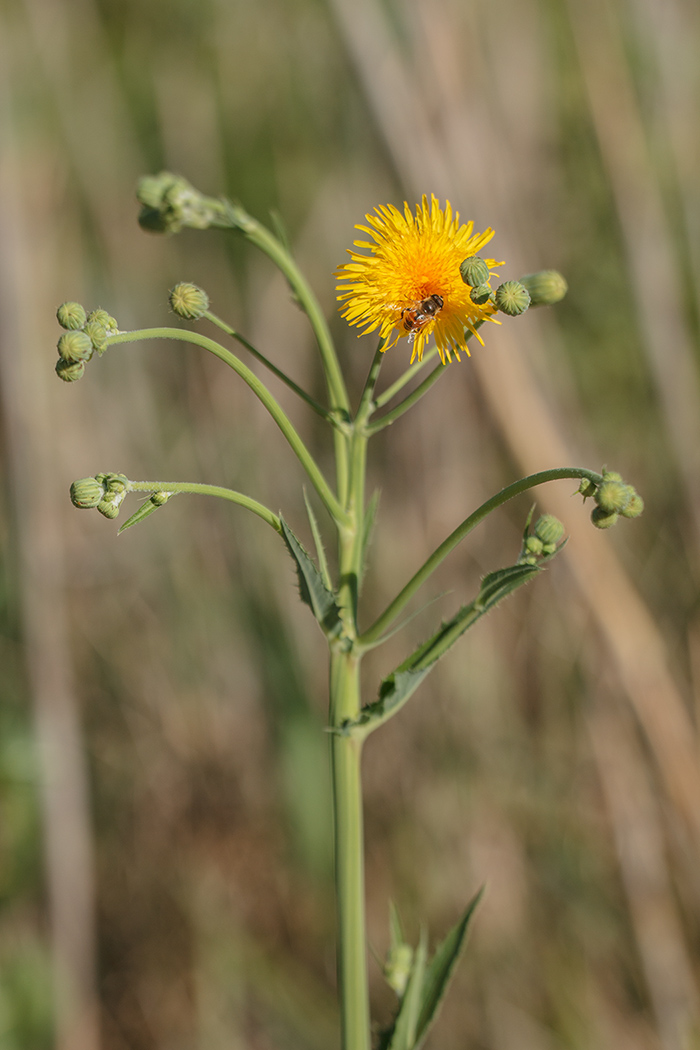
398	967
150	188
480	295
160	498
512	298
75	346
188	301
611	475
613	496
71	315
602	519
634	508
545	287
106	320
110	505
533	545
474	271
549	530
550	548
170	202
69	371
86	492
116	483
97	335
587	488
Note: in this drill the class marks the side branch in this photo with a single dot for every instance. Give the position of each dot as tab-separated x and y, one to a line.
280	417
447	546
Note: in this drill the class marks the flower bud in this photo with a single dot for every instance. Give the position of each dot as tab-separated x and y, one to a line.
188	301
474	271
102	317
634	507
534	545
97	335
587	488
69	371
613	496
397	969
116	483
549	529
110	505
545	287
150	188
75	346
86	492
512	298
71	315
158	499
480	295
602	519
170	202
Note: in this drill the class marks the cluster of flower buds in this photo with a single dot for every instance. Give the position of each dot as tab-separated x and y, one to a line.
613	497
544	542
170	202
85	333
511	297
188	301
106	492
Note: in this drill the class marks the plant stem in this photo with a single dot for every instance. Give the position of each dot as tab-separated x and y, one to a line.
210	490
280	417
346	754
371	635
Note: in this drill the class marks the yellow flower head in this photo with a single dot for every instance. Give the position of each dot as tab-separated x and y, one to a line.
411	282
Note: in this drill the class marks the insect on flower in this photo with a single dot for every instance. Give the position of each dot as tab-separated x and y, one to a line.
419	313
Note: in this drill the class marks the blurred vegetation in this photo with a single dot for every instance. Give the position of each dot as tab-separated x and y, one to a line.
164	827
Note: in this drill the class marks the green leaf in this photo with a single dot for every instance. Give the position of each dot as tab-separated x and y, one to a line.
396	934
318	542
368	530
403	1034
144	511
397	688
440	970
312	589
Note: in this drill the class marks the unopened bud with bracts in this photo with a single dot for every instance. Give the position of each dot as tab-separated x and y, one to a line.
612	495
603	519
397	968
634	508
545	287
512	298
188	301
549	530
474	271
70	371
159	499
106	320
170	202
587	488
75	346
71	316
87	492
481	294
97	335
117	487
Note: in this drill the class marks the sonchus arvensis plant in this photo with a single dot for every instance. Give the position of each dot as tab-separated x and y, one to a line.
423	283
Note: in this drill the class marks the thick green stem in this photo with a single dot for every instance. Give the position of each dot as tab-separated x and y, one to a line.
392	611
346	752
262	393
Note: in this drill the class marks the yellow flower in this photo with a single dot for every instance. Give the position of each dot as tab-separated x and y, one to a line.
411	282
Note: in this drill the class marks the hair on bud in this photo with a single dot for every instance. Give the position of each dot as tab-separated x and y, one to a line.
603	519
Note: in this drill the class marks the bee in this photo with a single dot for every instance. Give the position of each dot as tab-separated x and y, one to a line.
417	314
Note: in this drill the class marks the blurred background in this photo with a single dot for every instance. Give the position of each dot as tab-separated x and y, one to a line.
165	868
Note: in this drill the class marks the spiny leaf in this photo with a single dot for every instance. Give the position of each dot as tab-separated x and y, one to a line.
318	541
312	589
440	970
396	689
144	511
405	1025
